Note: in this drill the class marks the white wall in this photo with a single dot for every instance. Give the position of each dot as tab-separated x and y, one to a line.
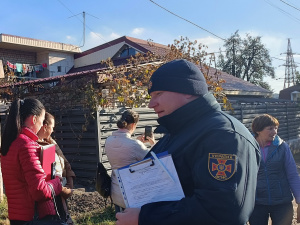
96	57
64	60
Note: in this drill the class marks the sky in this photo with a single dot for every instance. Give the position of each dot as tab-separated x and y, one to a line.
210	23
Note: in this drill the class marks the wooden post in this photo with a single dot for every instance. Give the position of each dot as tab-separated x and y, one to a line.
99	133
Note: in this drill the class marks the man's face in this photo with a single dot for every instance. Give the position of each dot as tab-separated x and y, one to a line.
166	102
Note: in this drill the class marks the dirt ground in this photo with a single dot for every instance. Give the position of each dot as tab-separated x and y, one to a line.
86	199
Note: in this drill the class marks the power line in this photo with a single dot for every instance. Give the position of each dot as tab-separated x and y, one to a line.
186	20
283	60
82	21
284	12
290	5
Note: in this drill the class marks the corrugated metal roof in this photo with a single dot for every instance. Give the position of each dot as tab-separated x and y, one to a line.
237	84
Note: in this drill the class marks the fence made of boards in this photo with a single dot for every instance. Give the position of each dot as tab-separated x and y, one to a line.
81	135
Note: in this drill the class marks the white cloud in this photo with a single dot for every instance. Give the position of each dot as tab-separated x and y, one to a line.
94	39
114	36
137	31
213	44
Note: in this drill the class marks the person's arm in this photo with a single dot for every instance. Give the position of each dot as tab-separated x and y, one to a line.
212	201
150	140
292	173
139	150
35	176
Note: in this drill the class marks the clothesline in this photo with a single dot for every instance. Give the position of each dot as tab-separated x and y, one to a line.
23	69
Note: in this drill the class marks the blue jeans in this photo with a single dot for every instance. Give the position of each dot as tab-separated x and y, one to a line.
280	214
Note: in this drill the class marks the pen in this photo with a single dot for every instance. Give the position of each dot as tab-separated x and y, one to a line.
164	168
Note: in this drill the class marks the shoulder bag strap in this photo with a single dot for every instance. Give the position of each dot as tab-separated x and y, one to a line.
54	201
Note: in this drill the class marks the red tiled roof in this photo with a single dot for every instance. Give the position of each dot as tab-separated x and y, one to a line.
139	44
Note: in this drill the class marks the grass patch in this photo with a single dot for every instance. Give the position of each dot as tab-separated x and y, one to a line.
104	216
4	212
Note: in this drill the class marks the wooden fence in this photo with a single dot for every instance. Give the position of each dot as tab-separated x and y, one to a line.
287	113
82	137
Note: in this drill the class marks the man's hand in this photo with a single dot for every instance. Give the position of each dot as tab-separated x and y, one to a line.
129	216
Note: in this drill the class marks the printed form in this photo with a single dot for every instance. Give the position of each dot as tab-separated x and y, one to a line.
149	180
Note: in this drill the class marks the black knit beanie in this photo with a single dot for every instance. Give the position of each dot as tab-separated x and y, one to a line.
179	76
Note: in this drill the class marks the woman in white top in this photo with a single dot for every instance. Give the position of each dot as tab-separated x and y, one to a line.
122	150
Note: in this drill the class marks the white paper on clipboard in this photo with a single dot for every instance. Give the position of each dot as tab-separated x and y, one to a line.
146	181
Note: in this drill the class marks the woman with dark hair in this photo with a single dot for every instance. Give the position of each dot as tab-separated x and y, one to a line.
62	166
23	176
122	150
278	180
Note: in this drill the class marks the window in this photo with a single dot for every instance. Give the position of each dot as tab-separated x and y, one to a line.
127	51
59	69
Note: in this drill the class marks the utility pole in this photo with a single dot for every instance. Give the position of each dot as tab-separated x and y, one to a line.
83	14
290	67
83	22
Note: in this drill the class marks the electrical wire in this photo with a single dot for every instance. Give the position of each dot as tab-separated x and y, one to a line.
284	12
82	21
186	20
290	5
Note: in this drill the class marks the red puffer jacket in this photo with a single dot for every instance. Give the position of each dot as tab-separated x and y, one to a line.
24	179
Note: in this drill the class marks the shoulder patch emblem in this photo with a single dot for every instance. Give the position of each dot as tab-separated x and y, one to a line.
221	166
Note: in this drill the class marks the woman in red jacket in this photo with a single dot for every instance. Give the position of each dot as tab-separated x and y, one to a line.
23	176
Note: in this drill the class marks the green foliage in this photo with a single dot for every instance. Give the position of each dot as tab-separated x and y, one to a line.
246	58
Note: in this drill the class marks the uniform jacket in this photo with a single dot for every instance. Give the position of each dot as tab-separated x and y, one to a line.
121	151
24	179
273	185
216	159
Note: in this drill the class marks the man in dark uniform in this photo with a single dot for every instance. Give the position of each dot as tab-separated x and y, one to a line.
215	155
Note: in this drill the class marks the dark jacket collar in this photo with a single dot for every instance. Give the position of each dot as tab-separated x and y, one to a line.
186	114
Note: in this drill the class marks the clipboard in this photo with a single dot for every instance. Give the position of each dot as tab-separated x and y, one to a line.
47	158
149	181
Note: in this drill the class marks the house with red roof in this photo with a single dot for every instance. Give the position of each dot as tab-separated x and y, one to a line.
84	149
89	62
